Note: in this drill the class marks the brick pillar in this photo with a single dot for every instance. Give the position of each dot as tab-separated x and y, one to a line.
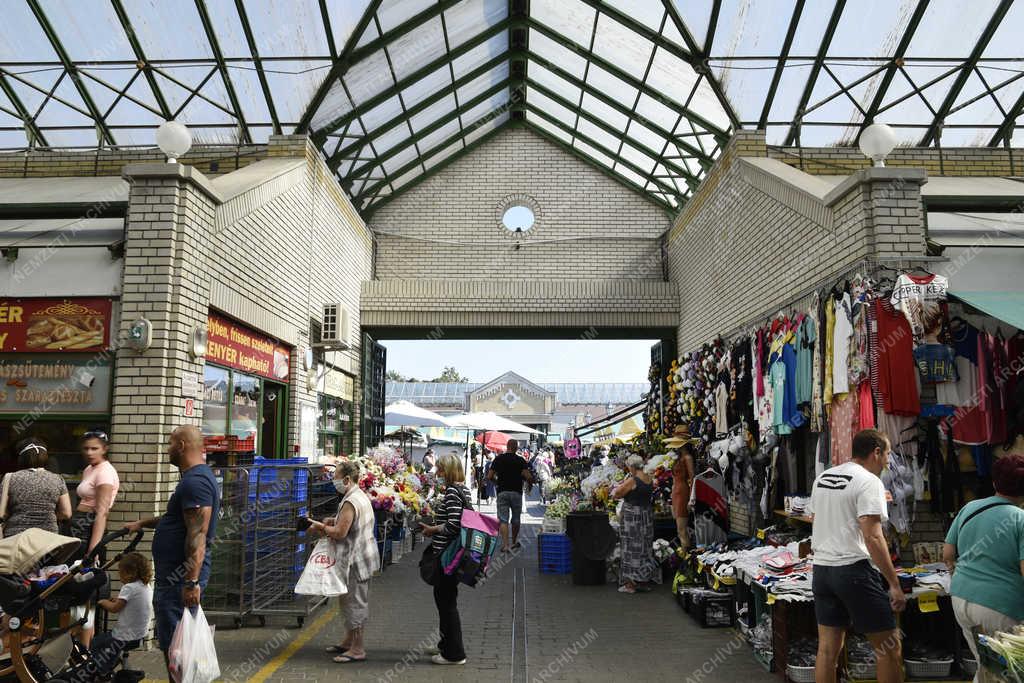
166	280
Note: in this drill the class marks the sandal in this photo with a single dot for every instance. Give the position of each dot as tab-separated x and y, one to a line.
336	648
345	659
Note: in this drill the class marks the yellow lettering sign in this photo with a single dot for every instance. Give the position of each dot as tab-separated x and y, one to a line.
3	340
928	602
10	314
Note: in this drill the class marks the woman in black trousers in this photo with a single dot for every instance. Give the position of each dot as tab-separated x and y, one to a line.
446	591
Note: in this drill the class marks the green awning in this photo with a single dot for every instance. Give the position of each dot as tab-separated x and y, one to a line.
1007	306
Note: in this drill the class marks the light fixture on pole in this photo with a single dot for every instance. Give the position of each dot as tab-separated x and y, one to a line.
876	142
173	139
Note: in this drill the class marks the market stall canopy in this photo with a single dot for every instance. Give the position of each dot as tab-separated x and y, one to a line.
489	422
1006	306
628	428
406	414
495	441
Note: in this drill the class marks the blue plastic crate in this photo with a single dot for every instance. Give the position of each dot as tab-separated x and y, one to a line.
551	566
274	480
555	546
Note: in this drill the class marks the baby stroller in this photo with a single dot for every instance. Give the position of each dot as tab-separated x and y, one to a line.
37	621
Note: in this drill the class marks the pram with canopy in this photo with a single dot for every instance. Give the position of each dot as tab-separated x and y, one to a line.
37	624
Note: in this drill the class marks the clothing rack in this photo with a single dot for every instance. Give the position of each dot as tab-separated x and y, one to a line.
866	263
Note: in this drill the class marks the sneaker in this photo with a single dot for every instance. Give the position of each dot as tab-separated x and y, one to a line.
626	589
438	659
432	651
517	545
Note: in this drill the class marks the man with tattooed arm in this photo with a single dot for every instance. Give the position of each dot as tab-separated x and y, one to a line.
183	534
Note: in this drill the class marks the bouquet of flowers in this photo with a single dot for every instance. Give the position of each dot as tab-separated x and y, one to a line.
602	475
662	550
660	468
388	459
562	506
384	498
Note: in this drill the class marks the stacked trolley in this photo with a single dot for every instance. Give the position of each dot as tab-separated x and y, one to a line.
259	552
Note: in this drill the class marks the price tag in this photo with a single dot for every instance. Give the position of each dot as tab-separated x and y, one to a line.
760	534
771	599
928	602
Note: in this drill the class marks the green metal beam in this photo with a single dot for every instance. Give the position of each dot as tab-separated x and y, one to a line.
47	93
618	106
409	80
1006	128
629	79
121	92
72	71
965	72
798	9
812	78
897	58
35	135
194	91
211	38
435	169
483	120
700	59
339	67
716	10
264	84
140	55
569	130
594	163
649	34
611	130
325	17
361	141
427	130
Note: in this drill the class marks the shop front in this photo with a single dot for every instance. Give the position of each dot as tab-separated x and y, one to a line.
335	424
56	375
245	393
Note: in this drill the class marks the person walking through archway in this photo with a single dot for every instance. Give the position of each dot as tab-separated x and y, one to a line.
510	472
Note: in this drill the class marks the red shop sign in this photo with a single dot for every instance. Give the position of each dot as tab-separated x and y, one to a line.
54	325
239	347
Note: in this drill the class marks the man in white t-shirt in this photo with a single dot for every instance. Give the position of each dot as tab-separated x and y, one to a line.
854	579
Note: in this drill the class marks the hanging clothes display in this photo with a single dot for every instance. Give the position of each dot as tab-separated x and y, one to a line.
817	405
897	376
710	509
843	424
805	341
841	334
918	298
970	425
830	326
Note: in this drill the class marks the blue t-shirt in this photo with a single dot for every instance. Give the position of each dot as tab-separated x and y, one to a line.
990	548
197	488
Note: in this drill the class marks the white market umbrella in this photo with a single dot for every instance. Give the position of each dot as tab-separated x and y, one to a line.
489	422
406	414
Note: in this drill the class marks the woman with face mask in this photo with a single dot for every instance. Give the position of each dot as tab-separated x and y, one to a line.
352	530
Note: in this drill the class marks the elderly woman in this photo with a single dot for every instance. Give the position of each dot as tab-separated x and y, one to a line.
985	550
352	530
36	497
636	537
448	516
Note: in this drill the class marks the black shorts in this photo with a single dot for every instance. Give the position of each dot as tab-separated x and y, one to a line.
854	593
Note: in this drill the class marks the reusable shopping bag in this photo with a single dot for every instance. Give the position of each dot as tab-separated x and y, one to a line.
193	656
322	575
469	554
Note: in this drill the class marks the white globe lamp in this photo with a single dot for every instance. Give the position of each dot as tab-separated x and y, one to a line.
173	139
876	142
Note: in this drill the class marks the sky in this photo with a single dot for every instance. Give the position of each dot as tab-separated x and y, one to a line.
555	360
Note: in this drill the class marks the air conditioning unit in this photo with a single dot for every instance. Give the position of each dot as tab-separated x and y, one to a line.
334	327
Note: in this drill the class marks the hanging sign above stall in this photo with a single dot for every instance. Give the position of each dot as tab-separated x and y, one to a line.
40	384
53	325
236	346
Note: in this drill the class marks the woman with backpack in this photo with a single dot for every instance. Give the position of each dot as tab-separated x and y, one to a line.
448	524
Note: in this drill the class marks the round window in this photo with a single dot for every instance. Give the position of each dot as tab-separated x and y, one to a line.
518	218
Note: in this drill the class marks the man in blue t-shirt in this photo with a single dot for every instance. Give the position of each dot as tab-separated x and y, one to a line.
183	534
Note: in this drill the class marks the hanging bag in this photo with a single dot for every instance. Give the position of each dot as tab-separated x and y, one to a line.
4	489
322	575
193	655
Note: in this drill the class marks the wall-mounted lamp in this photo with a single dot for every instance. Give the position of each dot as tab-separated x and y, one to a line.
199	341
140	335
876	142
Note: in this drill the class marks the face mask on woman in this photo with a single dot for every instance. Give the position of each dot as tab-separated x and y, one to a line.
341	485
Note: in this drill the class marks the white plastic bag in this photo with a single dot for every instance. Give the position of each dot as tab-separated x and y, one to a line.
322	574
192	654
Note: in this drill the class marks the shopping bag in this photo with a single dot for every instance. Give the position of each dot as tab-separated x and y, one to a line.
192	655
322	575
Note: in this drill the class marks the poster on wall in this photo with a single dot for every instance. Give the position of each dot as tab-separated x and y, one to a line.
308	433
54	325
233	345
43	385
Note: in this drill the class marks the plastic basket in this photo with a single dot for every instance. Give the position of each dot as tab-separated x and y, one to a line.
800	674
970	666
711	609
553	525
936	669
862	670
554	546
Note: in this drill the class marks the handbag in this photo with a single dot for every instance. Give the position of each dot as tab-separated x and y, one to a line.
4	488
430	561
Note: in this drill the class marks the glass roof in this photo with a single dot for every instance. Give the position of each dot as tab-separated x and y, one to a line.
448	394
647	91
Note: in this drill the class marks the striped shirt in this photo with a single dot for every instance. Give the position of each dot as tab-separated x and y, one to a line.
449	515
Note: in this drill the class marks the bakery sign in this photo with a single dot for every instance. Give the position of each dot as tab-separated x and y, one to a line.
236	346
54	325
45	384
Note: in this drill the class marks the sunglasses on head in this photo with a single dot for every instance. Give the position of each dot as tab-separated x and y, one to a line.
97	434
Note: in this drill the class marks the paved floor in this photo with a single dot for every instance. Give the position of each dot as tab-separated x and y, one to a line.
520	626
